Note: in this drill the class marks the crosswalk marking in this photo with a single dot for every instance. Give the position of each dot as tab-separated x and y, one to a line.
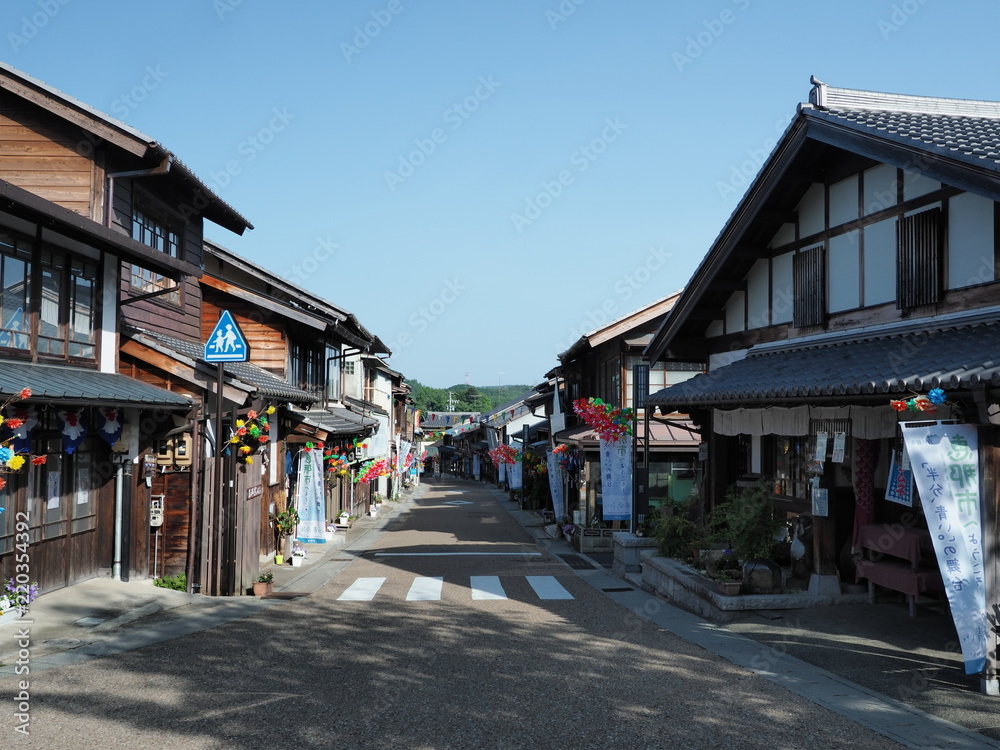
425	590
428	589
362	590
548	587
486	587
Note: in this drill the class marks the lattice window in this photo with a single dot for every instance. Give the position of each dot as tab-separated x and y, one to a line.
809	282
918	259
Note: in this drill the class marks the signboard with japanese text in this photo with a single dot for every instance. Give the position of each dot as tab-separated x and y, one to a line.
616	479
514	475
309	498
899	487
555	484
944	459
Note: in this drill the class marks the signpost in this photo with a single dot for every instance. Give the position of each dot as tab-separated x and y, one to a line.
226	343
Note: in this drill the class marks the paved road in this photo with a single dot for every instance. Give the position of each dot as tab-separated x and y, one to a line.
476	638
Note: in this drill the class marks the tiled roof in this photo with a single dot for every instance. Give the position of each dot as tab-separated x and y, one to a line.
81	386
269	384
957	357
337	421
969	139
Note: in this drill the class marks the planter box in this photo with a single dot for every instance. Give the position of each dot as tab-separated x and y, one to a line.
593	540
628	548
297	561
10	616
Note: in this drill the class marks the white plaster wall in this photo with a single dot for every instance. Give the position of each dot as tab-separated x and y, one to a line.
970	240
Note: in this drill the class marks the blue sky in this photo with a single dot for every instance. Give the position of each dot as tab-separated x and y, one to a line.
481	183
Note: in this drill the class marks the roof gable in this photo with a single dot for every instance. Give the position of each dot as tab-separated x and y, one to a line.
956	142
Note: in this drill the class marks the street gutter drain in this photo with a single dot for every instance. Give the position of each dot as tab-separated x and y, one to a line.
577	563
609	591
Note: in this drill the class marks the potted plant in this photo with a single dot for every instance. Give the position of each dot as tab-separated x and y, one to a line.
298	556
284	526
730	581
748	522
264	584
15	598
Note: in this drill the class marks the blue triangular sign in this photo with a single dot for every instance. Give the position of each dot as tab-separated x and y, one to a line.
226	343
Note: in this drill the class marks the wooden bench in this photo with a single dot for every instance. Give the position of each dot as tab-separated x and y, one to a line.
901	559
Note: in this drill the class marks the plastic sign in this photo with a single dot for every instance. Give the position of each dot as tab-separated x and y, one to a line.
226	343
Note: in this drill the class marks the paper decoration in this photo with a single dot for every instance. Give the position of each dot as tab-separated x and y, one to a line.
72	428
112	424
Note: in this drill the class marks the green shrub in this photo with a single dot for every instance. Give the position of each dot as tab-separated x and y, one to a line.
747	521
177	582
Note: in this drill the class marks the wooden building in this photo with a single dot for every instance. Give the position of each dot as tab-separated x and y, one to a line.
860	268
100	224
601	364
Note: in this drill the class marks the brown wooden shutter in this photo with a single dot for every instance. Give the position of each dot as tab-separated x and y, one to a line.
809	283
918	259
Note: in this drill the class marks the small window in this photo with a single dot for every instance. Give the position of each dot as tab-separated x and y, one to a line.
918	259
145	281
809	283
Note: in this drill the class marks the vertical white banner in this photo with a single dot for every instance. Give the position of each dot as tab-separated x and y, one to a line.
501	472
514	475
616	479
476	467
309	498
944	459
555	484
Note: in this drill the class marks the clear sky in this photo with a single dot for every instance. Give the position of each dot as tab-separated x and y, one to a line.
482	182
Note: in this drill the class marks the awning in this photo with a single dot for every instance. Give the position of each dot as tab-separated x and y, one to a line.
266	383
842	368
662	435
336	421
83	387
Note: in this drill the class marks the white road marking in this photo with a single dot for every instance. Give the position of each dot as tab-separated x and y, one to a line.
455	554
362	590
486	587
425	590
547	587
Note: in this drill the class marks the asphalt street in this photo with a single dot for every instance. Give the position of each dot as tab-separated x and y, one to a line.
453	628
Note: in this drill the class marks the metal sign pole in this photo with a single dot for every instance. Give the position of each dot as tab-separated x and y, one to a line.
216	546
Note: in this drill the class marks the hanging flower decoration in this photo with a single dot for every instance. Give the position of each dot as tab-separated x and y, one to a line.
373	470
611	423
11	460
251	435
337	465
927	404
561	452
504	454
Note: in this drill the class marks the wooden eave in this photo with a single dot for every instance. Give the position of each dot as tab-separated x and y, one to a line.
27	205
267	303
186	370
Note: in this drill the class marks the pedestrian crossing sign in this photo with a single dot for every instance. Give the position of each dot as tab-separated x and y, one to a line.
226	343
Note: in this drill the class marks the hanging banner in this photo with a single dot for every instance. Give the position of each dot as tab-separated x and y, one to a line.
72	427
944	459
112	424
404	451
899	488
616	479
501	472
309	498
514	475
476	466
556	484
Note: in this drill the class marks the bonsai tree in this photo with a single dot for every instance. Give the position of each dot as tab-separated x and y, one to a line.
285	522
747	521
